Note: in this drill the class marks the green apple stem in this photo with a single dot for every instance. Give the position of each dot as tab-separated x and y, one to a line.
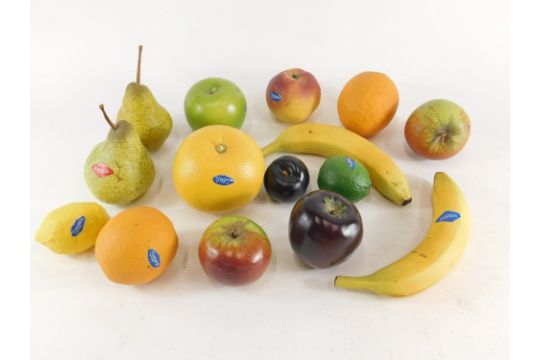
139	65
111	124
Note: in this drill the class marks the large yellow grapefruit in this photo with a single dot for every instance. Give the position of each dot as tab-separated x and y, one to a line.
218	168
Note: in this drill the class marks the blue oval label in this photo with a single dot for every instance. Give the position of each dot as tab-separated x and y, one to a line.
275	96
223	180
448	216
78	226
153	258
350	162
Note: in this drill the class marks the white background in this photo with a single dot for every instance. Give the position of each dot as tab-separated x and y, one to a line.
84	53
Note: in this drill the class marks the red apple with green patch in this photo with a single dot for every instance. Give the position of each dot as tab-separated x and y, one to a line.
234	250
293	95
438	129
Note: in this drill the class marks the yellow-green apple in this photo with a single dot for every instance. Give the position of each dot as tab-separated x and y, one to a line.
438	129
293	95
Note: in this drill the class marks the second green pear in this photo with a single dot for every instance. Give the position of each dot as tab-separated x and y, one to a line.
152	121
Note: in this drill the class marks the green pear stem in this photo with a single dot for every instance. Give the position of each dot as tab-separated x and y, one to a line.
139	65
111	124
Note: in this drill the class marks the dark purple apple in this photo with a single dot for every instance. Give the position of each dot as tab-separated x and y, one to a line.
324	229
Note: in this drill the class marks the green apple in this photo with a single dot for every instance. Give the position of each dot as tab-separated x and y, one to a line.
438	129
215	101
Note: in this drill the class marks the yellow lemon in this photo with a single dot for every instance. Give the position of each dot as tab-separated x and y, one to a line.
72	228
218	168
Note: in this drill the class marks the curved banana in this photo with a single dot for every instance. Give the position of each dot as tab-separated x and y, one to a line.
330	140
434	257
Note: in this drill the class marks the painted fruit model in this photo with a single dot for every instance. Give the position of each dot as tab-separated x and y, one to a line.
324	229
234	250
151	121
119	170
438	129
136	246
215	101
218	168
293	95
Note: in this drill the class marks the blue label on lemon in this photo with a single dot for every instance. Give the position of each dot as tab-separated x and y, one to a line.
78	226
223	180
350	162
153	258
275	96
448	216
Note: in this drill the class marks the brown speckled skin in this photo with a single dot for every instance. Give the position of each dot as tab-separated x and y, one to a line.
133	170
299	97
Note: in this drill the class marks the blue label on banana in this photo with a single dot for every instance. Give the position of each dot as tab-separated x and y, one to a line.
448	216
153	258
223	180
275	96
78	226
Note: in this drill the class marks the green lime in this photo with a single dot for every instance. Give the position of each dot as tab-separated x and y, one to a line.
345	176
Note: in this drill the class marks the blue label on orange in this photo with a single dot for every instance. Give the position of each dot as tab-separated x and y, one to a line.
350	162
448	216
153	258
78	226
223	180
275	96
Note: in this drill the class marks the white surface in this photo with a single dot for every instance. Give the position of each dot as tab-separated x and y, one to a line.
84	53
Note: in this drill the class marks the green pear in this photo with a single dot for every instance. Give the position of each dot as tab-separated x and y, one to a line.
139	107
119	169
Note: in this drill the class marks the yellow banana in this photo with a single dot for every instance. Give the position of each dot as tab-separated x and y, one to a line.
330	140
434	257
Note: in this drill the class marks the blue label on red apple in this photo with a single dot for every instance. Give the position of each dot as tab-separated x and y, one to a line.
223	180
78	226
448	216
350	162
153	258
275	96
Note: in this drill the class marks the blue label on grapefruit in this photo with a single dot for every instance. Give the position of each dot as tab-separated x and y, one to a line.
78	226
223	180
350	162
275	96
448	216
153	258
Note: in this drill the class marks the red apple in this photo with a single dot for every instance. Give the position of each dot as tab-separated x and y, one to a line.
234	250
438	129
293	95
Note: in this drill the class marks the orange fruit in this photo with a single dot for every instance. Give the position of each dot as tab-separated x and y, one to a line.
367	103
136	246
218	168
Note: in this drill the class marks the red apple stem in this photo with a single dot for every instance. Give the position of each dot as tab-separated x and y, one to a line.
111	124
139	65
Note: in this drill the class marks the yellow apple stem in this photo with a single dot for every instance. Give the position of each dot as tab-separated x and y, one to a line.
139	65
111	124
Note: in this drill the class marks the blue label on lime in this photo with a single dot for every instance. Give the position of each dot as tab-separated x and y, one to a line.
350	162
223	180
153	258
275	96
448	216
78	226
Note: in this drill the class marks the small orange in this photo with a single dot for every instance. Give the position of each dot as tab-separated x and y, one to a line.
367	103
136	246
218	168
